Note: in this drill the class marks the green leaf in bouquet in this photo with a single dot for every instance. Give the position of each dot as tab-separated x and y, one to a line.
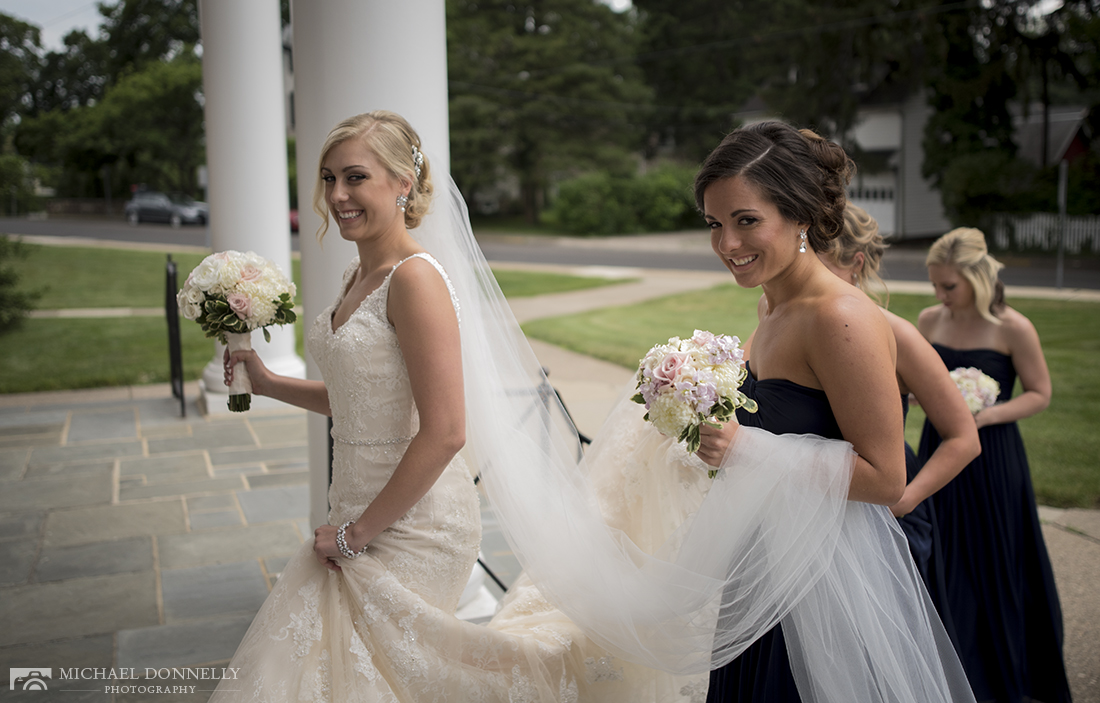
267	335
637	398
690	438
747	404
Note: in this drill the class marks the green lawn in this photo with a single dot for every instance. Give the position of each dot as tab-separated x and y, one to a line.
93	277
1062	442
53	354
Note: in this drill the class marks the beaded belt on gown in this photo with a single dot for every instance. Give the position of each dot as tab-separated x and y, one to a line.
369	442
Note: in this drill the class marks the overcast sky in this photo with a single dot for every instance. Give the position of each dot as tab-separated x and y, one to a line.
55	18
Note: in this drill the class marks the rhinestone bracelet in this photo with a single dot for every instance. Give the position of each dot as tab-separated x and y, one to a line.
342	543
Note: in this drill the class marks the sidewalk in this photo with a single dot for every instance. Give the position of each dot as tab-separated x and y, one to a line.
133	538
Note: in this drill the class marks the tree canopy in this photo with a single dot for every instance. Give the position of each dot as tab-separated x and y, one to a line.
125	102
540	89
545	90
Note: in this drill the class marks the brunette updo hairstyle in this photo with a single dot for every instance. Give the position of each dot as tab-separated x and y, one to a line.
391	138
800	172
965	249
860	235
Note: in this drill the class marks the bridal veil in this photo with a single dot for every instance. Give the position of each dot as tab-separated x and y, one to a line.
774	539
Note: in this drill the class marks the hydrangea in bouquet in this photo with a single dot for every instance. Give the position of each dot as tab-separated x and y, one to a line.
231	294
688	382
978	390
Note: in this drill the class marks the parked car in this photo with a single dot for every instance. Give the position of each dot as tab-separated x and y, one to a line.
294	219
175	209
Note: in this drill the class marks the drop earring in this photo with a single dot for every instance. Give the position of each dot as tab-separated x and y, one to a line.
402	201
802	242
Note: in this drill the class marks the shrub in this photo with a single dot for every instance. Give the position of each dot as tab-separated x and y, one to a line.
592	204
667	202
14	303
599	203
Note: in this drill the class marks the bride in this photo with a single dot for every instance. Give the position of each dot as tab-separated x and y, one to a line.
366	611
640	574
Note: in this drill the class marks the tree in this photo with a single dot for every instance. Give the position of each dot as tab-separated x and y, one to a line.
74	77
147	128
830	58
970	84
126	102
154	120
698	57
20	44
984	59
540	89
140	32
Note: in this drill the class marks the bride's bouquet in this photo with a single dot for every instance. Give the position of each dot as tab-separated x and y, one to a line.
687	382
978	390
231	294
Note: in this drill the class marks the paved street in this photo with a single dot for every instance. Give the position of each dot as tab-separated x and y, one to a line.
680	251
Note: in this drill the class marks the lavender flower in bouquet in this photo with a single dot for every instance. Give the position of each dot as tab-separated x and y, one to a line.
688	382
230	294
978	390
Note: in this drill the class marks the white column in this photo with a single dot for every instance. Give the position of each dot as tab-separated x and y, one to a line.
246	159
353	56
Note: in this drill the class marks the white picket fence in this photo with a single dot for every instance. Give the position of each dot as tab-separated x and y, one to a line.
1041	231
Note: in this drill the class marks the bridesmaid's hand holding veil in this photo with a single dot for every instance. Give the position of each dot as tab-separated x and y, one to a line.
714	442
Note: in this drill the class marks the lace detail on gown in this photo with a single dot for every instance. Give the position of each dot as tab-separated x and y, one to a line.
383	629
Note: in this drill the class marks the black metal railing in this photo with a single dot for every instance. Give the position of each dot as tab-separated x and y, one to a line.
175	350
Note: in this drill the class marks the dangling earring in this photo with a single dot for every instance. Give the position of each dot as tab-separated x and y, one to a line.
402	201
802	243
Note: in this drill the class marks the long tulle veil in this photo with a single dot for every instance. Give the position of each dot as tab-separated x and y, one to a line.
774	541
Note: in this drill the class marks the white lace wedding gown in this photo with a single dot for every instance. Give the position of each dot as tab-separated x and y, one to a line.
384	628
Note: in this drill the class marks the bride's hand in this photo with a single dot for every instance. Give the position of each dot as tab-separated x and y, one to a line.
257	372
714	441
324	547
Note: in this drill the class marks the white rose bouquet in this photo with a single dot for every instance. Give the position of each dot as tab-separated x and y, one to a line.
978	390
231	294
688	382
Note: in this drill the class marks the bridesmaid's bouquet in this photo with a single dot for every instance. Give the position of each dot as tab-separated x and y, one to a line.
230	294
978	390
688	382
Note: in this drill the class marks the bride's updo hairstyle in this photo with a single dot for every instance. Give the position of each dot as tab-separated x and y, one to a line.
965	249
396	145
859	235
801	173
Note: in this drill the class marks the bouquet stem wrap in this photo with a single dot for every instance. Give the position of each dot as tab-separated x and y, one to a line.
240	390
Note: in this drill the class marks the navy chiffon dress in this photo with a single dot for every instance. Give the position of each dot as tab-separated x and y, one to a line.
763	672
999	585
918	524
923	535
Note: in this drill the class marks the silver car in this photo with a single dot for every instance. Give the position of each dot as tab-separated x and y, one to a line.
175	209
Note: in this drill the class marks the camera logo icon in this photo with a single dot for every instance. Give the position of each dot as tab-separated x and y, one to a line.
29	679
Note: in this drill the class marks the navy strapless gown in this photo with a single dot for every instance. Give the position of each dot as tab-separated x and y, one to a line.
923	534
999	584
917	524
763	672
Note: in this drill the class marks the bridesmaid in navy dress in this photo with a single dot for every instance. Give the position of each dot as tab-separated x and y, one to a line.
772	196
1000	586
855	256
